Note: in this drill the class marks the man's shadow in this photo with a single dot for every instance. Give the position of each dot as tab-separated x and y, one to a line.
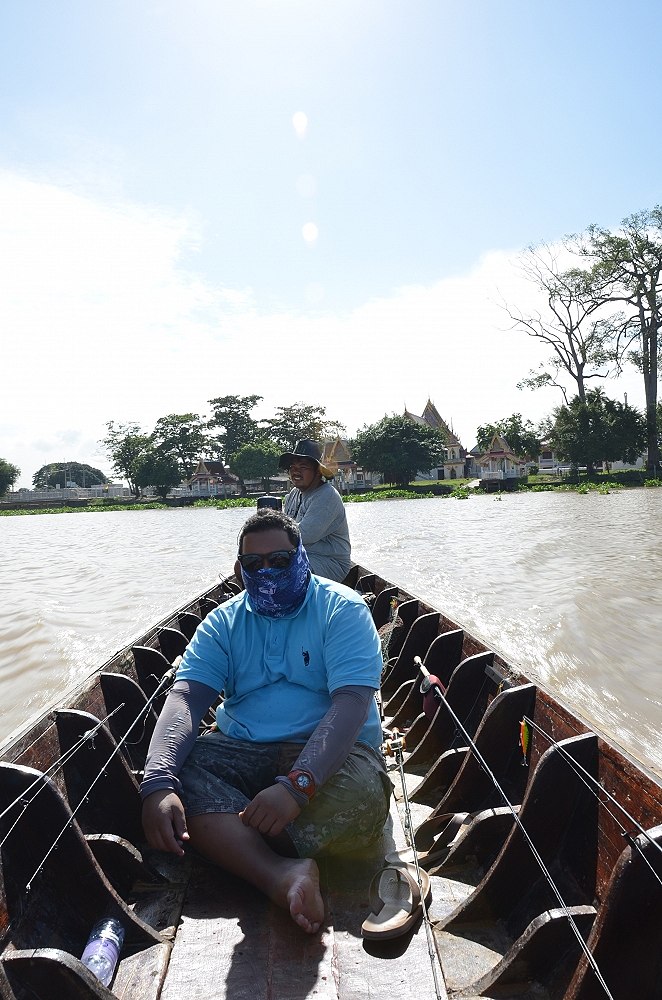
235	935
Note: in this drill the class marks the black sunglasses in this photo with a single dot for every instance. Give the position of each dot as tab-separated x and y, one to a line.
280	559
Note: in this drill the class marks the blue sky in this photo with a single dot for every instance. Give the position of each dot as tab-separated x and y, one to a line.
315	202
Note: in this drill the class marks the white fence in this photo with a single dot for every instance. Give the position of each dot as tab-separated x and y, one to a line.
500	474
68	493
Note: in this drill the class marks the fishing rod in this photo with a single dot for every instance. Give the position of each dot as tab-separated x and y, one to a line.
432	683
166	681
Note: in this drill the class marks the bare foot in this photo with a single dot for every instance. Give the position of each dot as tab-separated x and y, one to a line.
299	892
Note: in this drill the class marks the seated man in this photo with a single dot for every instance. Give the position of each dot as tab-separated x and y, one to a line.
294	768
317	507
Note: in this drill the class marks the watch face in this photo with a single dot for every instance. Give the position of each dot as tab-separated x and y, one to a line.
303	781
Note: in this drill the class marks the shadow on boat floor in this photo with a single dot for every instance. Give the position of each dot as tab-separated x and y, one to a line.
233	943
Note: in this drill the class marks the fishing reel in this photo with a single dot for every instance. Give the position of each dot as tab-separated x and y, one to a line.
396	744
394	747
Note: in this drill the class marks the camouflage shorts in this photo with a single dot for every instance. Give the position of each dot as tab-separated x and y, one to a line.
222	775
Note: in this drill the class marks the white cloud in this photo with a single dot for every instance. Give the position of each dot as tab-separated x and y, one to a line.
101	321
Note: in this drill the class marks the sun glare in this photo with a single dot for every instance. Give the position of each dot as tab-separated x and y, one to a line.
310	232
300	123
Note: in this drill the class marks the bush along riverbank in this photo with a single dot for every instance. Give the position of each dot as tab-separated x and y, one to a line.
460	491
93	507
371	496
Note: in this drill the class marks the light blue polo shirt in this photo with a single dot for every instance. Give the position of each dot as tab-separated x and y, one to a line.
277	674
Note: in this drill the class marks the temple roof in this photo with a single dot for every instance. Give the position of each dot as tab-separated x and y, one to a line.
212	467
499	448
432	418
336	452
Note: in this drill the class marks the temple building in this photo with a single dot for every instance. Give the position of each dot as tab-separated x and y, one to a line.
454	464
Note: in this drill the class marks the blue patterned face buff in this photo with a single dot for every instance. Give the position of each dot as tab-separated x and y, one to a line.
279	592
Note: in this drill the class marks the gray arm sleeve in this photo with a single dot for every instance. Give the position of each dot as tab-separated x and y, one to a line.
334	737
174	735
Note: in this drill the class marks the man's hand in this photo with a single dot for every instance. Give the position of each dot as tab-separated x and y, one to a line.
271	810
164	822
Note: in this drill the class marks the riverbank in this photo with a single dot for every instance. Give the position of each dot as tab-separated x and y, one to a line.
460	490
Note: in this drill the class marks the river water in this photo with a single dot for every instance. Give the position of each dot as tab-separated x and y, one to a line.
566	586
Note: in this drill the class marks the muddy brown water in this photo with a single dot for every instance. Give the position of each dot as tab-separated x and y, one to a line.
568	587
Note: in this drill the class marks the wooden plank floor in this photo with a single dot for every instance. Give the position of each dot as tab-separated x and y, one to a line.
233	944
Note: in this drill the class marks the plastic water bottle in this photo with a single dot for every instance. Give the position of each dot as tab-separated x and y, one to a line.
103	949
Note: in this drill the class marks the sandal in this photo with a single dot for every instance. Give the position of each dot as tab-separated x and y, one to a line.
395	898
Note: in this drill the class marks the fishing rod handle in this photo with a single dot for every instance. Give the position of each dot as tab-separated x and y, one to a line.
425	683
418	662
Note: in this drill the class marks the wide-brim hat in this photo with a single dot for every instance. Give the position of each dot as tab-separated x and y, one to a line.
306	449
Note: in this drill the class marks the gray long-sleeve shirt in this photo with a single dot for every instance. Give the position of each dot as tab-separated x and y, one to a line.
320	514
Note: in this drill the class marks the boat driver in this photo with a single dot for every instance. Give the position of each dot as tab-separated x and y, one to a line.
317	507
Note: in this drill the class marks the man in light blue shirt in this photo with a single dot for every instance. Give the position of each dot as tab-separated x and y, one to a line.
293	768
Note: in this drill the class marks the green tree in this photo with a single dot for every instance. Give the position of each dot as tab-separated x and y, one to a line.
255	461
61	473
232	414
398	448
124	444
299	421
597	429
520	434
153	468
626	432
631	258
8	475
184	436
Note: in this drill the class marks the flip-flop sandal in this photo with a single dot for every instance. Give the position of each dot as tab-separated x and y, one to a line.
395	898
437	834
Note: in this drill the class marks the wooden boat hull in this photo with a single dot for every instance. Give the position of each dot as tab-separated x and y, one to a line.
541	885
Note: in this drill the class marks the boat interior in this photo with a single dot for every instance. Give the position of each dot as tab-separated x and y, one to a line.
539	839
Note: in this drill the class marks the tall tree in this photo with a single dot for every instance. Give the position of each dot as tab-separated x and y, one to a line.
626	432
8	475
124	444
255	461
156	469
299	421
398	448
61	473
597	429
520	434
232	414
184	436
582	341
631	258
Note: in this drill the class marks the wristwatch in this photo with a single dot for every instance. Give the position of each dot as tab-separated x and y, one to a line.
303	781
